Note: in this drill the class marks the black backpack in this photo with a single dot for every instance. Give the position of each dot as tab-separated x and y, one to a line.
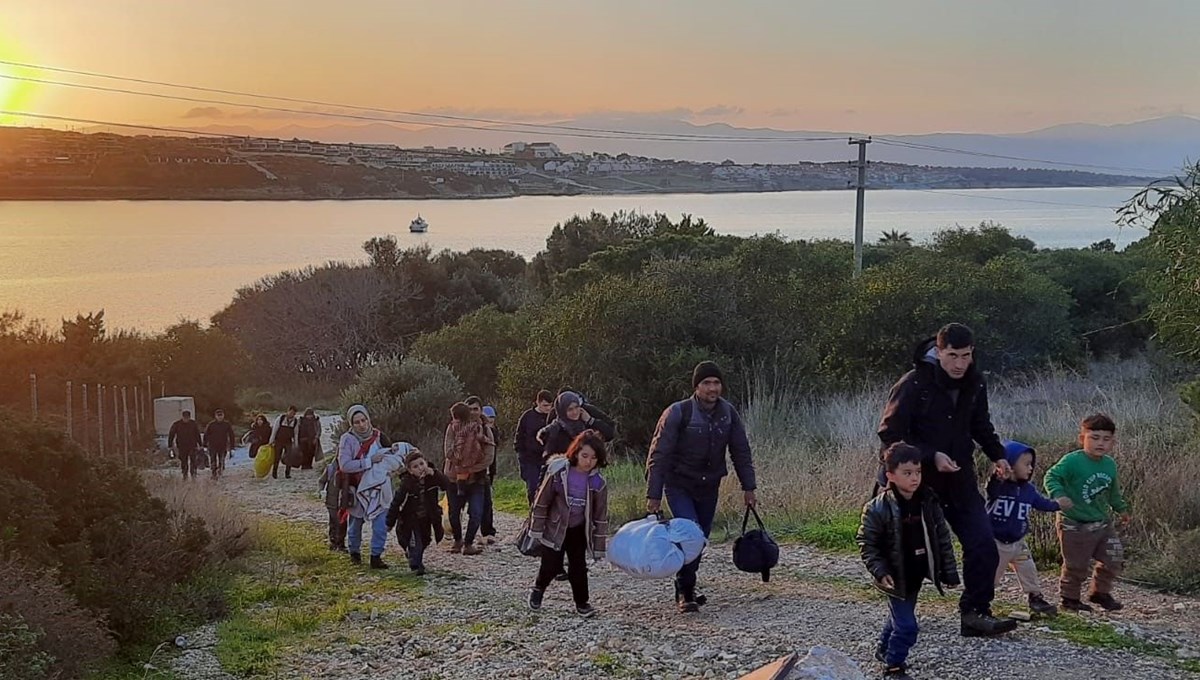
755	551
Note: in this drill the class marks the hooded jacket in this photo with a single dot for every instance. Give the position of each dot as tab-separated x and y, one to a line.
1010	501
550	513
933	412
880	542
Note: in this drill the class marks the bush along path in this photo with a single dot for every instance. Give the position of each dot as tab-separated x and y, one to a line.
303	612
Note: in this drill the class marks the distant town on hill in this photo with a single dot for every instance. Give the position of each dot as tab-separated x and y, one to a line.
44	164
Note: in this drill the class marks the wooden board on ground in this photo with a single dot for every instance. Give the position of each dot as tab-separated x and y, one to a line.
775	670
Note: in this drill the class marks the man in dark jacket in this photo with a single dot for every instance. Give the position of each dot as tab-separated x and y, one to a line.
219	439
941	407
309	435
184	437
687	461
526	444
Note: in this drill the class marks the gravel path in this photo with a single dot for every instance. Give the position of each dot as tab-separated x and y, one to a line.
472	621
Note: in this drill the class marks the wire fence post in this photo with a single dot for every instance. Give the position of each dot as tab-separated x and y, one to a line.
70	410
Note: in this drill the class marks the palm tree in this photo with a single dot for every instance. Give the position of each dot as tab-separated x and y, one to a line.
895	237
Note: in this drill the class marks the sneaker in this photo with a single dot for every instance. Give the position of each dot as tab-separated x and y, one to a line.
897	673
471	550
983	624
1040	606
587	611
341	548
378	563
490	540
535	599
1076	606
562	576
356	558
418	571
1106	601
457	547
881	653
701	599
688	606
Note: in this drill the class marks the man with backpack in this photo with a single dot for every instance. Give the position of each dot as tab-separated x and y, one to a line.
941	407
687	462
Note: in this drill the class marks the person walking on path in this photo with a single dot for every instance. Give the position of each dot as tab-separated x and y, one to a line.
487	527
529	450
309	435
359	449
283	438
686	462
185	439
259	434
467	447
941	407
570	519
220	440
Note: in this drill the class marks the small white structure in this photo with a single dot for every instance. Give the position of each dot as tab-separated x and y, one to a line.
419	225
166	411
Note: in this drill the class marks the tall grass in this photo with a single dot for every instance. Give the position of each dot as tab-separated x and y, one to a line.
816	458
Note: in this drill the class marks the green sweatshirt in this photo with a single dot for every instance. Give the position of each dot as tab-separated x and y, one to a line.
1090	484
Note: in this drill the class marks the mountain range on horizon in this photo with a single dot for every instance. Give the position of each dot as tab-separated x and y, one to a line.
1158	146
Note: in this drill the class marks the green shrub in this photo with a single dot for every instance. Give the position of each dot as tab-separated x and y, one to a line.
474	347
20	656
118	551
406	398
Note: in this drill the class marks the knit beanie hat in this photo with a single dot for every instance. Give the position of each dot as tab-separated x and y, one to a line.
705	370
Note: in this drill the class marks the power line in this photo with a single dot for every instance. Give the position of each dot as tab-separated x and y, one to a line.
415	114
946	192
562	130
205	133
945	149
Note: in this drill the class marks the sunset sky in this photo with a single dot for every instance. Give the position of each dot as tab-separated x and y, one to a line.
881	66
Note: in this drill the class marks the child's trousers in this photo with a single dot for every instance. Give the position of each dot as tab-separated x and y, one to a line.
1017	554
900	629
1081	544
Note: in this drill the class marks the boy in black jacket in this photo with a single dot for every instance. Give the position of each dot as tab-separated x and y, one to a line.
903	539
415	512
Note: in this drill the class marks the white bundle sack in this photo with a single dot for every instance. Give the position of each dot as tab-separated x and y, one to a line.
650	548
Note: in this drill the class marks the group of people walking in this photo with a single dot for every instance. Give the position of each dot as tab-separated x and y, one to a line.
296	441
927	490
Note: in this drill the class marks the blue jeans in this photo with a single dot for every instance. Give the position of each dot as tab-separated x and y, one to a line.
702	511
531	473
469	496
379	532
900	629
415	550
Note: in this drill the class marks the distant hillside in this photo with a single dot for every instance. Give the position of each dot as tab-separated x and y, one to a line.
1159	146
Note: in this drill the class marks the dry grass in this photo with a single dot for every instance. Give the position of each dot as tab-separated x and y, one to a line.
816	457
232	531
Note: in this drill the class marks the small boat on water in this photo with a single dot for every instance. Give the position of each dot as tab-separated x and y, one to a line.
419	225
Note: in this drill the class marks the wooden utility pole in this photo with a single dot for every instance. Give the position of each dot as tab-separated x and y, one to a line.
861	190
116	420
33	394
137	409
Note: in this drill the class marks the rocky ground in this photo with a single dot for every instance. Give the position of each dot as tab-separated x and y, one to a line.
471	621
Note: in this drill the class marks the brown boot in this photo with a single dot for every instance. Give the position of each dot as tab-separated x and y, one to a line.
457	547
471	550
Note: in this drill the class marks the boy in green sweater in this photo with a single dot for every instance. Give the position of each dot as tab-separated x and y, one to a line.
1086	532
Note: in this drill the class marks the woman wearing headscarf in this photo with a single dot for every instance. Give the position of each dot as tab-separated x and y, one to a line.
361	448
572	417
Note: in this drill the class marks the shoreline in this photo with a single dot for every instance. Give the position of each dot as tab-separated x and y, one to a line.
49	198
